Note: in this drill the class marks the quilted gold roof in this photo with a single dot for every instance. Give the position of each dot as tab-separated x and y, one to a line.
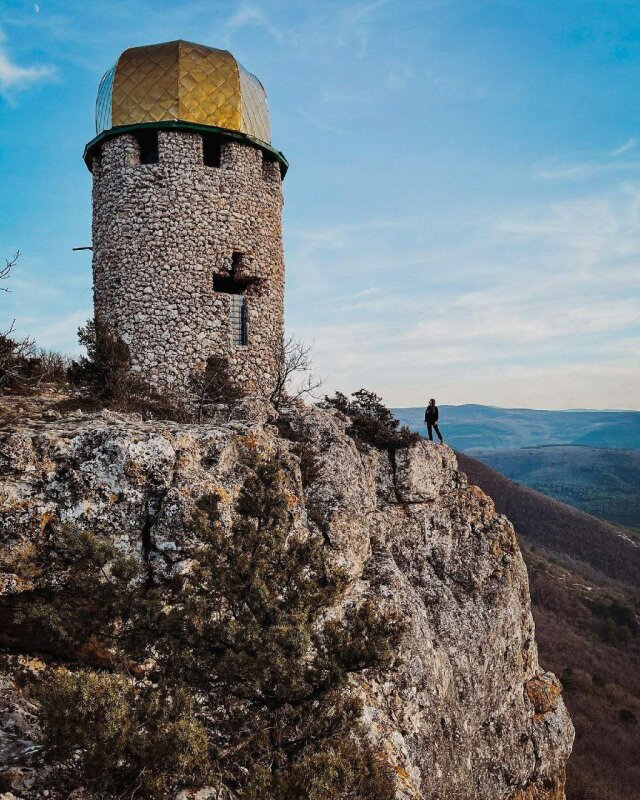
182	81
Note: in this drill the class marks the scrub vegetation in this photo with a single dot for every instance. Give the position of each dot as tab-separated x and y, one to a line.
371	421
228	673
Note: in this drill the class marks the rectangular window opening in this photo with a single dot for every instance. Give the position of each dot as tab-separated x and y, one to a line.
148	144
211	150
238	319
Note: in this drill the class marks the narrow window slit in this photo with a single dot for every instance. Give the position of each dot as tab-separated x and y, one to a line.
148	146
238	319
211	150
234	285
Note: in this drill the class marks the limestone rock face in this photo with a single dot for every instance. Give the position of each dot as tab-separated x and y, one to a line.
465	711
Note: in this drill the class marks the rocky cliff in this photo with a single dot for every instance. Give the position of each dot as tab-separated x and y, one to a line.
464	710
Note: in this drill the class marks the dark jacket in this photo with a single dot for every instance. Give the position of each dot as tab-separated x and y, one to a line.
431	414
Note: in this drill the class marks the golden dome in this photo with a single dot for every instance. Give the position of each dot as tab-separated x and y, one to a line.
184	82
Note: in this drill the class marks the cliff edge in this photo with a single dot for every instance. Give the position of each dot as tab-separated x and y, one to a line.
463	709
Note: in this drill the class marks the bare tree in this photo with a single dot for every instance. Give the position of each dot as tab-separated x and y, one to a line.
294	378
6	270
18	364
17	356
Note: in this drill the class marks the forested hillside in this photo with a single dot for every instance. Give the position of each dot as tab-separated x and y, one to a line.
604	482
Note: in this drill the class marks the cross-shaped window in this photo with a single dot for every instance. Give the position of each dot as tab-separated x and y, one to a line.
234	285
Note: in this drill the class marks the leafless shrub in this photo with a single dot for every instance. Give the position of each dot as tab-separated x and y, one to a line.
294	377
53	365
18	364
16	355
6	270
23	366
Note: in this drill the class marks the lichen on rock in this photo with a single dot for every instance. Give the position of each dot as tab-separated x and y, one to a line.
464	709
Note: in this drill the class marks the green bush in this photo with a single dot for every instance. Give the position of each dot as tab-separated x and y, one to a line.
371	421
618	613
233	661
136	738
106	376
627	716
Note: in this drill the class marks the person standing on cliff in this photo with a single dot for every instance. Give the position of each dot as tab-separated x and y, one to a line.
431	420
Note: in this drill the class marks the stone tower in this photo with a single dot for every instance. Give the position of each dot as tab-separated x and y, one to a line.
187	208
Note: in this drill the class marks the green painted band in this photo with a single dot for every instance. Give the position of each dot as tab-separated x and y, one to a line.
223	133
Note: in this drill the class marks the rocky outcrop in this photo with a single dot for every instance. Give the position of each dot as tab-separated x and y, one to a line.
465	710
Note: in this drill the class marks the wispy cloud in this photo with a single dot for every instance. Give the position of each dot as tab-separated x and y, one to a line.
623	148
355	22
587	169
14	77
598	165
249	15
337	237
558	301
56	332
399	76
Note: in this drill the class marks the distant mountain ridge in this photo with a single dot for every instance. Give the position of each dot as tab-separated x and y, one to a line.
470	427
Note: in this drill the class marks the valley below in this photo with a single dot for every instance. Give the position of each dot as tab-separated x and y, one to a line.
604	482
584	577
569	481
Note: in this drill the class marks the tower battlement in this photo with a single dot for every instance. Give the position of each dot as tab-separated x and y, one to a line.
187	235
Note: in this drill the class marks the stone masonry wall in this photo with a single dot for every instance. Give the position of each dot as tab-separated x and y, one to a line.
160	234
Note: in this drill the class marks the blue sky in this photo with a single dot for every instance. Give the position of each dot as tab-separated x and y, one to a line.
462	211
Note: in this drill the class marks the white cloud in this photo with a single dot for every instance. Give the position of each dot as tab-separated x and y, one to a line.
628	145
398	76
313	33
336	237
545	314
59	332
587	169
251	16
354	22
597	166
15	78
601	229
